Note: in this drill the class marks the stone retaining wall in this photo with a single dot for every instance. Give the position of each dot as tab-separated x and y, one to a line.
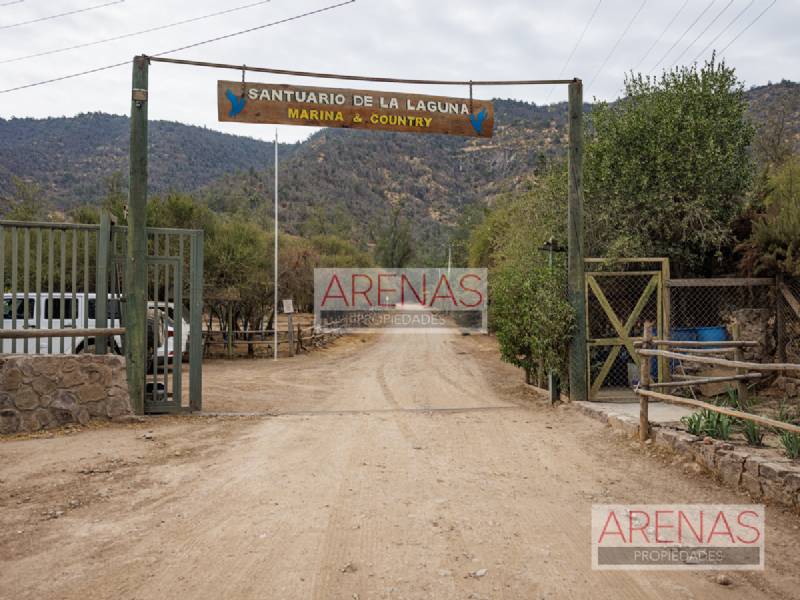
41	391
764	473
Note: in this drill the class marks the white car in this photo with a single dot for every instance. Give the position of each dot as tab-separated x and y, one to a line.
78	312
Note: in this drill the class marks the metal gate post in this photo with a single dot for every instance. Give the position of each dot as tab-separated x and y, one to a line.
578	369
104	267
136	262
196	323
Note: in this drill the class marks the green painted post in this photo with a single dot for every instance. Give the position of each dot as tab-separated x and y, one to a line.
136	261
578	370
101	282
196	324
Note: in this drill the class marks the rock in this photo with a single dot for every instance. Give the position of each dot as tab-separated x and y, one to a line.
26	399
10	379
148	435
479	573
91	392
708	440
723	579
6	401
9	421
64	406
43	385
349	568
118	406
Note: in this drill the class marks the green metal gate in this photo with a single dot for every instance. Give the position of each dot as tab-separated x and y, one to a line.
70	276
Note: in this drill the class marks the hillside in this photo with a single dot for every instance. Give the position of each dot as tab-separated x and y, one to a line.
360	174
71	158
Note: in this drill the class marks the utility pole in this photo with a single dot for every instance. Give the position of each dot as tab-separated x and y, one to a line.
136	262
578	369
275	263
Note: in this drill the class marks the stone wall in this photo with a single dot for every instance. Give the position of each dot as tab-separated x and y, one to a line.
41	391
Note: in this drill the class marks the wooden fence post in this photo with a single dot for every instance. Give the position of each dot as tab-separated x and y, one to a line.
644	382
291	335
741	385
780	324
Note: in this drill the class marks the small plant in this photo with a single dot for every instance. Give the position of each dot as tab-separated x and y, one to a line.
694	423
753	434
710	423
790	442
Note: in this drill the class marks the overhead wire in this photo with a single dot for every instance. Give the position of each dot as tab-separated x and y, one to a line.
661	36
702	33
194	45
135	33
749	25
12	2
64	14
723	30
616	44
577	43
683	35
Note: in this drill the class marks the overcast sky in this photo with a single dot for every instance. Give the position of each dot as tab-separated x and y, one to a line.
445	39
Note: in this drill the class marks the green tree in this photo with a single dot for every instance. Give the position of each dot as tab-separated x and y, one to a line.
25	203
395	245
668	166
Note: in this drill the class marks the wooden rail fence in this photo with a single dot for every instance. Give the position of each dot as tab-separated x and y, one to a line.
700	352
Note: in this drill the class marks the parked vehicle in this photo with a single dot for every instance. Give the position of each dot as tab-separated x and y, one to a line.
63	311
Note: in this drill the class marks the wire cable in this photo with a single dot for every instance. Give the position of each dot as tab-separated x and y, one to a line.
619	39
64	14
702	33
683	35
738	35
661	36
12	2
724	29
577	43
135	33
194	45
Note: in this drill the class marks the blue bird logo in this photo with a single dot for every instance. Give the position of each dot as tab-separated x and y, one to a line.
237	103
477	121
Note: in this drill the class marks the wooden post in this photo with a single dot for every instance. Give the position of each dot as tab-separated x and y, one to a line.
644	382
230	330
578	370
741	385
291	335
136	262
780	323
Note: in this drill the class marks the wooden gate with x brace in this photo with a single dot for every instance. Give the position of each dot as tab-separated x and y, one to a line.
618	301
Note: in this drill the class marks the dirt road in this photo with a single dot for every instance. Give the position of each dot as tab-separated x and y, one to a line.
390	468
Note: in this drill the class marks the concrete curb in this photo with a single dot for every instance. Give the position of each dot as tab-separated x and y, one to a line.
765	474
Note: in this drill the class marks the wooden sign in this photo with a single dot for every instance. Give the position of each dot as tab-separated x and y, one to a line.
357	109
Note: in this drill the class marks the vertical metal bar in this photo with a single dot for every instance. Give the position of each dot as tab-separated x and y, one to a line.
62	286
177	341
101	281
166	312
196	323
14	260
26	274
154	297
37	307
136	270
74	266
51	259
578	364
86	279
3	278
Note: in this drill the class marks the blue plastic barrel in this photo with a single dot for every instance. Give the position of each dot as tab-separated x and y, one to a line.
712	334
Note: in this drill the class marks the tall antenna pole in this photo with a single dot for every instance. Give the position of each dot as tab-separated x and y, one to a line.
275	266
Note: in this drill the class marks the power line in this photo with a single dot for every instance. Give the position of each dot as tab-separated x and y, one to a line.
683	35
619	39
216	39
577	43
707	27
12	2
738	35
135	33
660	37
724	29
64	14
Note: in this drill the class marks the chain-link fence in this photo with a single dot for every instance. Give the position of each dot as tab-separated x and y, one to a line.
788	320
